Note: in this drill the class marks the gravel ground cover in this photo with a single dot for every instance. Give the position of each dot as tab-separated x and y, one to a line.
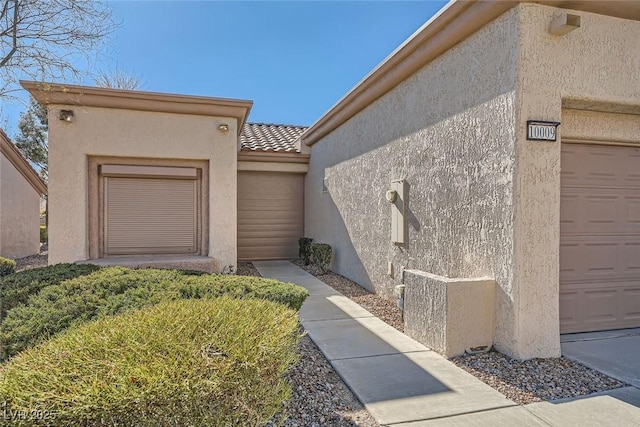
523	382
535	380
33	261
320	397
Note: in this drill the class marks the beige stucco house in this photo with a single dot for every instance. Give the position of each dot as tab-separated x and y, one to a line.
20	191
504	232
489	165
140	178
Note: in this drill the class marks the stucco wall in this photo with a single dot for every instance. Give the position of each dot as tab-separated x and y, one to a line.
449	131
19	213
127	133
483	201
598	67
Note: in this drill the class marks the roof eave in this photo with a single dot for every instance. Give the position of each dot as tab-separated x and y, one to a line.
64	94
456	21
21	164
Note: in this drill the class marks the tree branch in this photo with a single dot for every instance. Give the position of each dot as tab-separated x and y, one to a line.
14	32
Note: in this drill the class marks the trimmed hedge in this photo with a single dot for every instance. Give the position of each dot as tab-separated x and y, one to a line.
304	251
44	236
115	290
7	266
322	255
199	363
17	288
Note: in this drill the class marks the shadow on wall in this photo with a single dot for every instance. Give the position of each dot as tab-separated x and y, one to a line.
343	262
412	222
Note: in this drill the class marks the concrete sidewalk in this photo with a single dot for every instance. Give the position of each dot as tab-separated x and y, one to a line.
403	383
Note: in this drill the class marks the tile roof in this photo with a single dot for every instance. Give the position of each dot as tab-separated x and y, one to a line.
270	137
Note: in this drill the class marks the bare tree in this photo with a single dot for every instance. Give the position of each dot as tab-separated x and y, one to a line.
45	39
119	79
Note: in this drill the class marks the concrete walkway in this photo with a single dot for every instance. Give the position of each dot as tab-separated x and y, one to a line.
404	384
615	353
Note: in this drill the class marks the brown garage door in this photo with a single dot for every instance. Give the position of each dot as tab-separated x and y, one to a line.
270	215
599	238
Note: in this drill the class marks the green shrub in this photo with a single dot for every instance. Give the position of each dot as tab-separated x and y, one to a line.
199	363
44	237
15	289
7	266
115	290
322	255
304	252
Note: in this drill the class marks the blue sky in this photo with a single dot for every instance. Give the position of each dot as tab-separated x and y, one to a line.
293	59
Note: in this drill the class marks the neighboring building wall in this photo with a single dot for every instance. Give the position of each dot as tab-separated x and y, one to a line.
19	213
449	131
595	67
127	133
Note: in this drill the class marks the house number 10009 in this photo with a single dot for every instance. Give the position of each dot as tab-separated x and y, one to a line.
542	131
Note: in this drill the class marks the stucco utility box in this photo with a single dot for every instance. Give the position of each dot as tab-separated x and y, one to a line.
449	315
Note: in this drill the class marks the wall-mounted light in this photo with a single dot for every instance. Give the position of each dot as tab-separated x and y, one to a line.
564	24
66	115
391	196
223	127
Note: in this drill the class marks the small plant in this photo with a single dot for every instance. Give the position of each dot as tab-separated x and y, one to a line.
7	266
305	249
321	255
44	238
229	270
218	362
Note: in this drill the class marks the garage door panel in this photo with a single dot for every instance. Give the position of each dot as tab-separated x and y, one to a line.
270	215
599	238
282	227
600	165
599	257
267	234
270	204
631	304
270	252
283	215
599	211
598	306
633	210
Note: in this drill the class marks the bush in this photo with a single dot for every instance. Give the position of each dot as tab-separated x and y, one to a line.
199	363
322	255
115	290
44	238
15	289
7	266
304	243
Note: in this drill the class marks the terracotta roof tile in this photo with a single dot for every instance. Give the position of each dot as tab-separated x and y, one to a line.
270	137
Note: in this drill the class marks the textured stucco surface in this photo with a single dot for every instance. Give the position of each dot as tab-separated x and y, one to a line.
583	125
598	66
19	213
449	315
127	133
448	130
483	201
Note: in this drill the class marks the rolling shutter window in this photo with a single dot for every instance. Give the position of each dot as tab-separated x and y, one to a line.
150	215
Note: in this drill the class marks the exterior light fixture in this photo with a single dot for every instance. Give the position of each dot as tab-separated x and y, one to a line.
391	196
66	115
564	24
223	127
